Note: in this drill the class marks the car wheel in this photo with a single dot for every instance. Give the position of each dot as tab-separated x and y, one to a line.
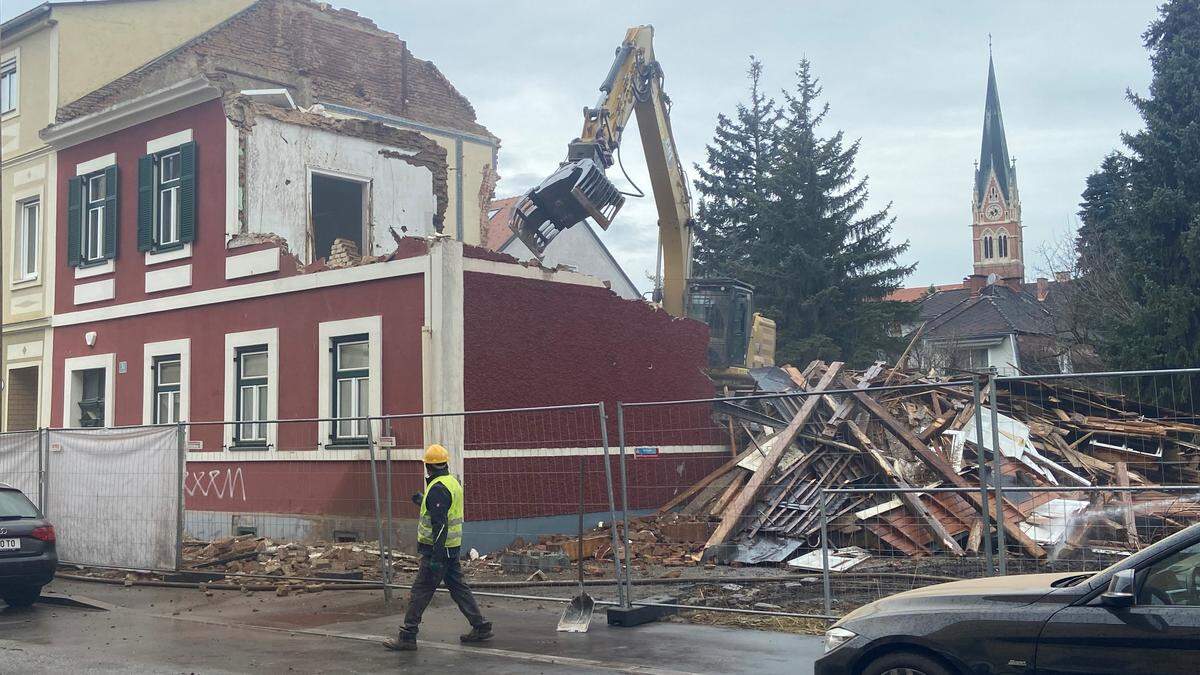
905	663
22	597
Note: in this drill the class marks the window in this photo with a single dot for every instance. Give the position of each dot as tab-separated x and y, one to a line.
351	386
28	215
1002	244
8	86
167	232
337	213
91	397
167	378
1172	580
95	189
252	384
989	247
166	198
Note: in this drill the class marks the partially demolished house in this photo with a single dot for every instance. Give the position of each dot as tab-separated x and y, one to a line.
278	220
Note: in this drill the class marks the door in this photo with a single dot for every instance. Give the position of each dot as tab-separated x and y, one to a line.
1160	634
22	399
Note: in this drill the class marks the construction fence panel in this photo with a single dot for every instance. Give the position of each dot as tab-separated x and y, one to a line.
283	498
21	463
114	495
731	518
527	475
1074	525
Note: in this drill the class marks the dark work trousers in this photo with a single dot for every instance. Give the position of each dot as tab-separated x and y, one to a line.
426	584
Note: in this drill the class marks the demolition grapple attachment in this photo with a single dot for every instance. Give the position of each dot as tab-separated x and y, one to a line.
578	190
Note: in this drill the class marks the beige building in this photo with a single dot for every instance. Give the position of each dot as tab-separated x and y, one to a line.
50	56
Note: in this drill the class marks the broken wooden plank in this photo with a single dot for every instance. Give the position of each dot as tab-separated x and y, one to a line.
732	518
703	482
1131	534
906	436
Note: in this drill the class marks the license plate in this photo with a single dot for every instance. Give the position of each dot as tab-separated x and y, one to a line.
10	544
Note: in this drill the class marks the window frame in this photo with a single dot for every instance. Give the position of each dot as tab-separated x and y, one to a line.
261	386
27	268
359	377
988	246
173	391
10	69
1002	244
90	205
366	185
160	187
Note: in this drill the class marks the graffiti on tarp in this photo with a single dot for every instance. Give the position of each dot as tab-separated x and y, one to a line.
222	484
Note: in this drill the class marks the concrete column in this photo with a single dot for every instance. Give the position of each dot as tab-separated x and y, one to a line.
442	348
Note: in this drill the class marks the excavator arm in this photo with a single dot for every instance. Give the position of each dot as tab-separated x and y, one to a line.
579	189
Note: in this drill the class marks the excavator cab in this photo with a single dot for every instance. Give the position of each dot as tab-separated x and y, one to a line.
577	190
726	305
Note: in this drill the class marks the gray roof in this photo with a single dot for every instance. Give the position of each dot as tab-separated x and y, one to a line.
993	152
996	310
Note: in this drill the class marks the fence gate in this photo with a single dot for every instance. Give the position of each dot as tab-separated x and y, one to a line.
113	495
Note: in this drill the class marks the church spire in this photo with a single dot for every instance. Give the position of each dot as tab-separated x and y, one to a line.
993	153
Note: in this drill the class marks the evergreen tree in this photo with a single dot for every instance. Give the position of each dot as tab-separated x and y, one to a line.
820	265
1139	243
733	185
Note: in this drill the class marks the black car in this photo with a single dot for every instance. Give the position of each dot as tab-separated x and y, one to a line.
1141	615
27	551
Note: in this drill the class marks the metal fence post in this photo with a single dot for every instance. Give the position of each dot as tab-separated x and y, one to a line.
826	593
612	505
387	469
983	490
385	565
42	469
180	468
624	507
1001	544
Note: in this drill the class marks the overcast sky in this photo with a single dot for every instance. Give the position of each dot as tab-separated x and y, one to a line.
907	78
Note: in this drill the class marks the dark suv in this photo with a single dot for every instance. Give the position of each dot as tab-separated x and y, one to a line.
27	551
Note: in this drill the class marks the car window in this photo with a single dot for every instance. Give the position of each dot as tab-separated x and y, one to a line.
1174	580
13	504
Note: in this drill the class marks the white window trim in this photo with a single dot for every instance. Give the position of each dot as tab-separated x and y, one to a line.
372	326
153	350
169	141
17	201
15	57
368	184
156	257
96	270
70	366
233	341
94	165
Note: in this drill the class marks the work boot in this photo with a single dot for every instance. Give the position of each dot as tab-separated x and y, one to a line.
479	633
404	642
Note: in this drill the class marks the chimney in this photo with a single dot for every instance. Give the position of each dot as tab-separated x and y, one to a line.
975	282
1043	288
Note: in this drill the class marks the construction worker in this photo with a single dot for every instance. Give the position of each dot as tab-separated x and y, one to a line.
439	537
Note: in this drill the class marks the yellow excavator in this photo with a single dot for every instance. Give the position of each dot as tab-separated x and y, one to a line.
739	338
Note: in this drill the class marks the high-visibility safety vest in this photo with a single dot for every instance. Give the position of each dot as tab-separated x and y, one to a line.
454	519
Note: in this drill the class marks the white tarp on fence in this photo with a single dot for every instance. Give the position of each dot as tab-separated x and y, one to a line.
113	495
19	462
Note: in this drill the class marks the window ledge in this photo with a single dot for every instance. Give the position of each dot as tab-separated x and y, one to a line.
95	269
357	444
10	115
18	284
248	447
176	252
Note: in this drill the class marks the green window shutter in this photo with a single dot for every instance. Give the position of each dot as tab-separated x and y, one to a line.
74	220
187	192
146	203
111	221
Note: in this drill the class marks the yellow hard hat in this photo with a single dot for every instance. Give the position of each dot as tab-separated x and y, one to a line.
436	454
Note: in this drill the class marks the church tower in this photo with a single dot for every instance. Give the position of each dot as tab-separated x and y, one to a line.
995	205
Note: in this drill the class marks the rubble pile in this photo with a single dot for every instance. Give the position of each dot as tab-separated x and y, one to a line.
248	554
764	505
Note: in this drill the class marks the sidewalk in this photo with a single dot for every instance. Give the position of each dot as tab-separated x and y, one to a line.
164	630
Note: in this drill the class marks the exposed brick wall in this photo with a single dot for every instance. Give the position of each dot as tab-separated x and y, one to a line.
320	52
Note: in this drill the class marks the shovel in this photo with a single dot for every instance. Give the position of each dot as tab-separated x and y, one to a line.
578	615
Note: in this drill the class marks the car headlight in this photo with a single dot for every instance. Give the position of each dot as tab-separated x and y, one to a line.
836	637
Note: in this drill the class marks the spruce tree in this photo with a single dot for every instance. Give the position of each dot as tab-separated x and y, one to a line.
1139	242
820	264
732	184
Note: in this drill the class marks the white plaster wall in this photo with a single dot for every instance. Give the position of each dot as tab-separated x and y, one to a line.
279	157
1003	356
580	247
